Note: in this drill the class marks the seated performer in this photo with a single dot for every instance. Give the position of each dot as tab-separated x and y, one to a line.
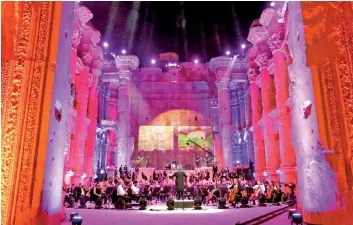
179	182
121	193
135	191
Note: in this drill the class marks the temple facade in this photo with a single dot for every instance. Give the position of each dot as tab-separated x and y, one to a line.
68	113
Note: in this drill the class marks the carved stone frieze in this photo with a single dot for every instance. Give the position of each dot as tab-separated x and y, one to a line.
271	67
223	84
85	52
129	62
226	62
262	60
267	16
93	35
275	42
83	14
76	34
258	34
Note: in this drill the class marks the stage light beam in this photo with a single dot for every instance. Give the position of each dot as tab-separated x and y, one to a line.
228	52
243	46
123	51
153	61
105	44
273	4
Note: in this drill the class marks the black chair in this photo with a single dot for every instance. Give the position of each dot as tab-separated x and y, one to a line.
164	193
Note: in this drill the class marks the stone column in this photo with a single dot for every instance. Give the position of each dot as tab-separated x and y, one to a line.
112	115
259	149
288	158
124	65
92	112
220	66
82	85
81	16
217	144
268	103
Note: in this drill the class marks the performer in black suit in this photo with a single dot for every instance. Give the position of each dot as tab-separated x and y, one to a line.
179	181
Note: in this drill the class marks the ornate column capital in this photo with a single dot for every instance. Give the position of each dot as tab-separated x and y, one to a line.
262	60
126	63
234	84
275	42
223	84
253	74
258	34
214	102
222	66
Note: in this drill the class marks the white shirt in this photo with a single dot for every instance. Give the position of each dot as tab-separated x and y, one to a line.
135	190
260	188
120	190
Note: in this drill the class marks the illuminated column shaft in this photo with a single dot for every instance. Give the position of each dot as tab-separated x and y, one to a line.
288	158
225	119
92	115
268	103
217	144
124	64
112	115
259	149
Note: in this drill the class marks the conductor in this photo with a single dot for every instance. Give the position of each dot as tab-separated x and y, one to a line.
179	182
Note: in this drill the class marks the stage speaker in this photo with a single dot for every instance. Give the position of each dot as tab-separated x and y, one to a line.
170	204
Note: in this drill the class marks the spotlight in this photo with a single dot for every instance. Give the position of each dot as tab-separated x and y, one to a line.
143	204
197	204
290	212
273	4
72	215
228	52
196	61
76	220
170	204
243	46
238	161
235	56
105	45
297	218
153	61
222	203
123	51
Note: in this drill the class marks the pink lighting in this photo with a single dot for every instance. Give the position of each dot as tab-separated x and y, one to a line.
273	4
196	61
105	45
243	46
153	61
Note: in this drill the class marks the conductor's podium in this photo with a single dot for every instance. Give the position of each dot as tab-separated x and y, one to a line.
183	204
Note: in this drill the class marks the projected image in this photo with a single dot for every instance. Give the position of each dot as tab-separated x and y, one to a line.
155	137
202	136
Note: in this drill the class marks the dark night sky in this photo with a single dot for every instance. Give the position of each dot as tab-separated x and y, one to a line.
149	28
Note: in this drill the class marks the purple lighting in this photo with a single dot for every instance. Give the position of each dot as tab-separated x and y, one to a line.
123	51
153	61
243	46
196	61
227	52
105	45
273	4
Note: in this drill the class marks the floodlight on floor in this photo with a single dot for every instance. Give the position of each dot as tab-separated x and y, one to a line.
72	215
291	211
143	204
197	204
297	218
170	204
222	203
76	220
